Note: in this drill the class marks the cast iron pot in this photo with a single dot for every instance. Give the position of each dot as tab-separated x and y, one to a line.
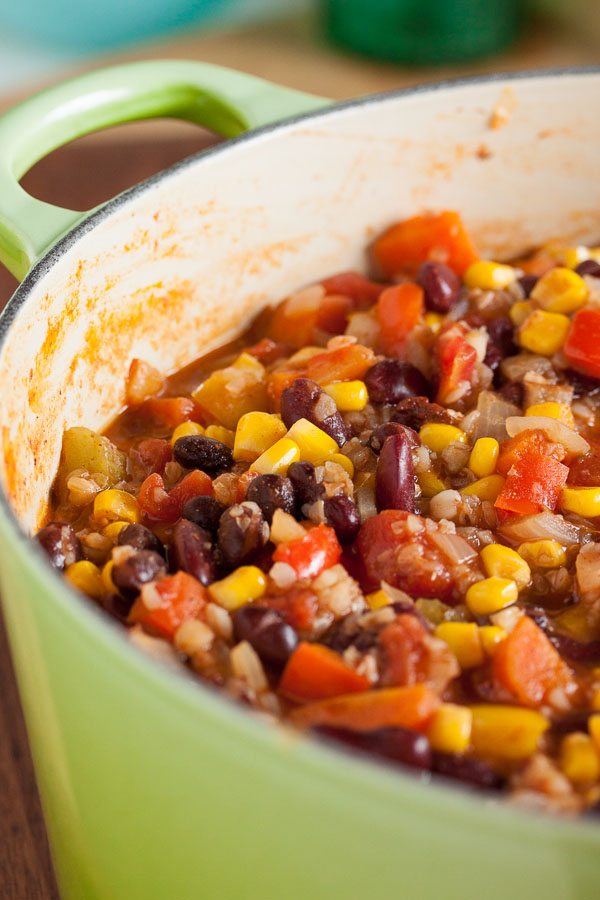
154	786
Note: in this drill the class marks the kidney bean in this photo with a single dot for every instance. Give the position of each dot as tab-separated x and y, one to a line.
467	770
381	432
416	411
589	267
341	513
272	492
118	607
140	538
138	569
440	284
308	490
242	532
575	721
527	282
204	511
394	478
192	551
391	380
398	745
304	399
60	544
195	451
570	648
268	632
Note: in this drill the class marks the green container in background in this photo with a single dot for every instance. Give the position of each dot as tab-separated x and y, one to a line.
430	32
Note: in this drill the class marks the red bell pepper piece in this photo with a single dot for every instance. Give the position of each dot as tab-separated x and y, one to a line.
314	672
403	707
182	598
582	347
440	237
534	482
399	309
319	549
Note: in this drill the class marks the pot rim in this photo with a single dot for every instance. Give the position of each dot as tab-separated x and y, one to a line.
318	756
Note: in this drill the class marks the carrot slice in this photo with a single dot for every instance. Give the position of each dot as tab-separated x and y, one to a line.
342	364
443	237
314	672
399	309
406	707
181	597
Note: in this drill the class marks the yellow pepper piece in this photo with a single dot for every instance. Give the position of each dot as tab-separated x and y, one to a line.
244	585
489	275
185	430
583	501
278	458
463	639
544	332
491	595
506	563
546	554
86	577
255	433
559	411
491	637
484	456
247	361
116	505
430	484
316	446
450	728
506	732
437	436
578	758
348	396
560	290
486	488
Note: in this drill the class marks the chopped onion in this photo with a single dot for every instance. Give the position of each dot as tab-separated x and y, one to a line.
365	500
515	368
454	547
542	526
554	430
493	411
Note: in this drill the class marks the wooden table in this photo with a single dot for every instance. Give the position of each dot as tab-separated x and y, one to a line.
94	169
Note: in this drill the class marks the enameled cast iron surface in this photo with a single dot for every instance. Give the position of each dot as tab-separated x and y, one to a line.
154	786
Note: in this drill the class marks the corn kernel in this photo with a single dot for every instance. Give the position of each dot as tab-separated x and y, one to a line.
560	291
348	396
437	436
595	701
578	758
583	501
519	311
450	728
506	563
575	255
255	433
247	361
489	275
491	637
345	462
544	332
594	730
559	411
434	321
107	580
86	577
486	488
378	599
315	445
491	595
185	430
546	554
431	484
114	529
114	505
244	585
463	639
484	456
506	732
219	433
304	354
278	458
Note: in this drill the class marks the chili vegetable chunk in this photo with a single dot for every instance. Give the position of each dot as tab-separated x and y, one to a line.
376	516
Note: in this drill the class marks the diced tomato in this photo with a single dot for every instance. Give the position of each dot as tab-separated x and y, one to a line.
151	456
267	351
294	320
411	655
172	411
341	364
442	237
278	380
195	484
582	347
529	667
182	598
314	672
534	482
399	309
159	505
333	313
363	292
457	362
299	607
319	549
527	443
400	707
391	550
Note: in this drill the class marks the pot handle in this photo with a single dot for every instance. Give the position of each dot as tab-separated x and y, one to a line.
222	100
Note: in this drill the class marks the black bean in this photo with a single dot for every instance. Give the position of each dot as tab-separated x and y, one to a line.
242	533
204	511
513	392
192	551
138	569
270	635
440	284
392	380
308	489
583	385
140	538
304	399
272	492
196	451
528	282
381	432
500	343
394	478
467	770
416	411
589	267
570	648
118	607
60	543
398	745
341	513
